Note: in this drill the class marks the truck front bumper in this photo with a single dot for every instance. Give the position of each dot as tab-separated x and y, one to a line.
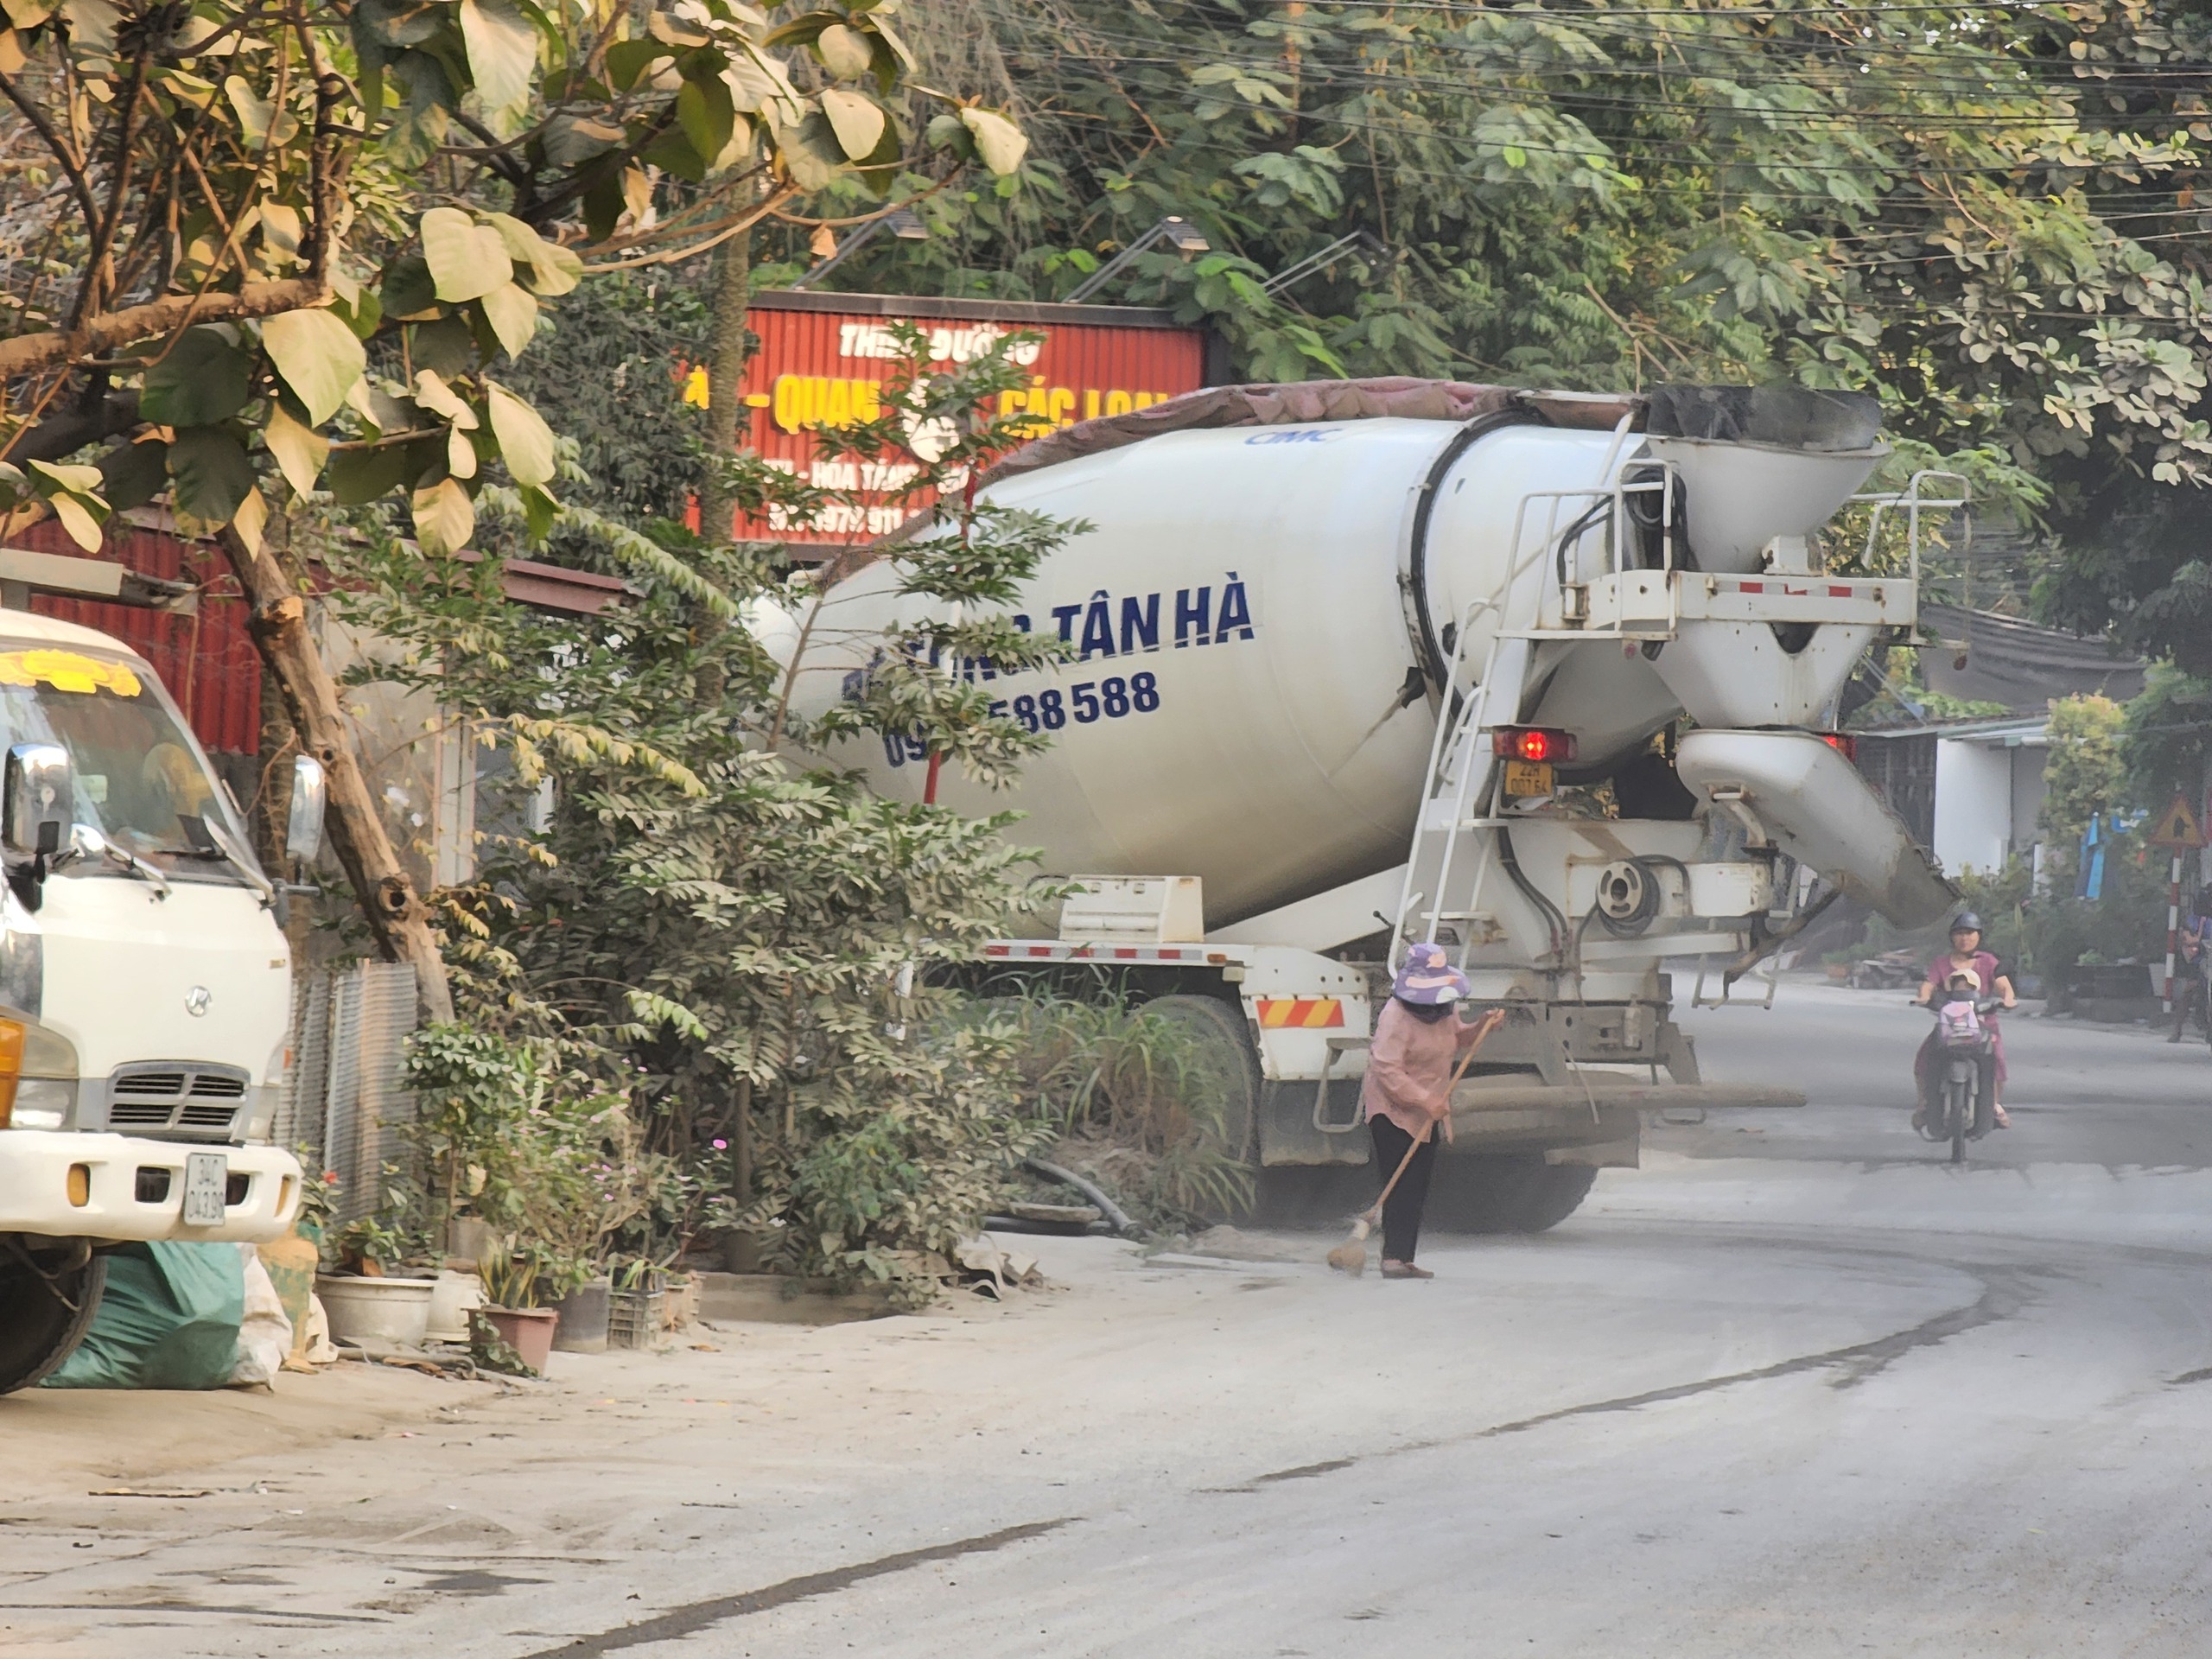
39	1194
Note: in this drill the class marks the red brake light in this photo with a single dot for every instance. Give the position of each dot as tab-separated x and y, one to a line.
1842	743
1533	743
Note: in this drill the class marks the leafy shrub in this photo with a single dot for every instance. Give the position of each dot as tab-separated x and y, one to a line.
716	949
553	1161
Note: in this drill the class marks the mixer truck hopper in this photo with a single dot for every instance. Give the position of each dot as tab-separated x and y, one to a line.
1548	678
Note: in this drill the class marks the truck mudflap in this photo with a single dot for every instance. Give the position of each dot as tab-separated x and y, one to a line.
117	1187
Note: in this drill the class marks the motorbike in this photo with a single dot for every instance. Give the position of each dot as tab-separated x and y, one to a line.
1957	1110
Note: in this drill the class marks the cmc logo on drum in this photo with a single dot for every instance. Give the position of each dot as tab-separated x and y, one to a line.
1302	434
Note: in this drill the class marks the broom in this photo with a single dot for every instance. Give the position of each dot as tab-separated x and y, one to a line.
1350	1256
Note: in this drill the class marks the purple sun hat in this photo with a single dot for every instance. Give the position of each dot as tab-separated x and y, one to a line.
1427	977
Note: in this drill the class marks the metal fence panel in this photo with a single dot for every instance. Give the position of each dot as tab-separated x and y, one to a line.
350	1031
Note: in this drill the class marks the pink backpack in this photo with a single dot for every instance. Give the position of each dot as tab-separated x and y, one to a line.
1960	1024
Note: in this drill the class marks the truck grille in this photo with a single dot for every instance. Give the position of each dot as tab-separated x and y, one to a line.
199	1102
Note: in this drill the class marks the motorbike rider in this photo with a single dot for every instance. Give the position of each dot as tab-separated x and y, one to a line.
1965	957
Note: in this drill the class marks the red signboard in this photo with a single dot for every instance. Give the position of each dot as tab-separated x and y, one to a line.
823	358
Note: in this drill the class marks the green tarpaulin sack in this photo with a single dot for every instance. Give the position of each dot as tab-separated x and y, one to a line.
169	1319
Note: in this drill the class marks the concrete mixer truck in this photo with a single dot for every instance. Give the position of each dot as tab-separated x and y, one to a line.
1551	679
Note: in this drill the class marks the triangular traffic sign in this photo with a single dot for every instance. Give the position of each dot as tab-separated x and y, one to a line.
2178	829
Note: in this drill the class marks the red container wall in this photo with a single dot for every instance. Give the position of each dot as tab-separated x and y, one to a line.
207	661
827	368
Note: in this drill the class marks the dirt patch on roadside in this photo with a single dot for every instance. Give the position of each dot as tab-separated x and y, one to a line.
57	1441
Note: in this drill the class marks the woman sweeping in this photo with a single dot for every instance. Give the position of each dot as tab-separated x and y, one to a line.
1406	1093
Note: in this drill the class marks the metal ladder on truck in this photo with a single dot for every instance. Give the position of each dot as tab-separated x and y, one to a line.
1459	786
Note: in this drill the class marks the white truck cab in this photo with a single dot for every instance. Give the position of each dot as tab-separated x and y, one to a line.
145	986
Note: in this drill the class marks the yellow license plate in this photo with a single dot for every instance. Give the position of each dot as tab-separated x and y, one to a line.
1527	777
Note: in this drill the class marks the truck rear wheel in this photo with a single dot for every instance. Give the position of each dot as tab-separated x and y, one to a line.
49	1290
1521	1194
1223	1041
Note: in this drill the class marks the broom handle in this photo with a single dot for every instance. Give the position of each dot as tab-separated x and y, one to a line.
1391	1185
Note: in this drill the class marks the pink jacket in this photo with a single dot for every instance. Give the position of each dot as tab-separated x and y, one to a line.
1410	1067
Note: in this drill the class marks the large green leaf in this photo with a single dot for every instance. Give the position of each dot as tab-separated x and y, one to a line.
628	60
357	307
757	82
526	441
448	348
998	141
704	111
502	56
131	474
513	316
74	493
298	448
358	476
672	152
858	121
810	150
444	517
204	378
408	292
441	400
78	520
846	53
466	260
553	270
318	357
209	473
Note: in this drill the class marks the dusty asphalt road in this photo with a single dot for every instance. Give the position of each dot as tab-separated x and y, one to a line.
1793	1388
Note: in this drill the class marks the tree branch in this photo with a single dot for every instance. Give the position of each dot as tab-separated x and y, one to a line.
64	434
30	353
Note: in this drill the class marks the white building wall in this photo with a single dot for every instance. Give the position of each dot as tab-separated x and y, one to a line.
2028	790
1974	806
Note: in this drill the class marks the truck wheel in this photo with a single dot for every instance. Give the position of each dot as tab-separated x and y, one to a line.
1557	1195
1522	1194
48	1297
1225	1044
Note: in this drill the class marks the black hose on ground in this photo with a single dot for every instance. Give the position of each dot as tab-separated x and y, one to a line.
1090	1189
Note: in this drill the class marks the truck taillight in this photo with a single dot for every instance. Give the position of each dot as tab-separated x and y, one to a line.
1533	743
1842	743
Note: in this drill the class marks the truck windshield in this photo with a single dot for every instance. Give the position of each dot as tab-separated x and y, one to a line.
140	779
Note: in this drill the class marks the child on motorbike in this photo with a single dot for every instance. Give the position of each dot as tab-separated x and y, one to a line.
1966	961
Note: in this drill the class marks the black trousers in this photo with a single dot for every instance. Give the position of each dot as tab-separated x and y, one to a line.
1401	1209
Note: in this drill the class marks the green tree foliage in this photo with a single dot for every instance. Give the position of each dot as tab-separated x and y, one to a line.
1938	203
2169	740
2087	774
304	240
737	938
605	378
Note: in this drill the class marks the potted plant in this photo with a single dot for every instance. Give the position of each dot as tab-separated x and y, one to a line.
510	1318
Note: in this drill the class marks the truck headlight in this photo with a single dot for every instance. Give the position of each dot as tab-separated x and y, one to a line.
38	1077
43	1104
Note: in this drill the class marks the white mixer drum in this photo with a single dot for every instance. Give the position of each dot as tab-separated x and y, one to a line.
1246	703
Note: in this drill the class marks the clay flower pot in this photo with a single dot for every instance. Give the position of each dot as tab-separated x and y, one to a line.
528	1330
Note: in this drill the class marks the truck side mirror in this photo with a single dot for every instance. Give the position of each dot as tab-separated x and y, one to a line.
38	799
303	836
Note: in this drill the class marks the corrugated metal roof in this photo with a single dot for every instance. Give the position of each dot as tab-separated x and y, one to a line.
207	660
